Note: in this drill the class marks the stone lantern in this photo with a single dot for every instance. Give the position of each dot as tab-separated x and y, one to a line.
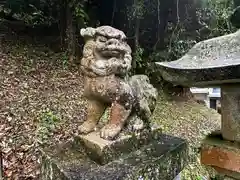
215	63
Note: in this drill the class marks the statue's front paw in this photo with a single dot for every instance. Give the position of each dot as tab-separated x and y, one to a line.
87	127
110	131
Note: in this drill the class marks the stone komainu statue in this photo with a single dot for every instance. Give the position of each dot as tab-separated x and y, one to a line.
105	64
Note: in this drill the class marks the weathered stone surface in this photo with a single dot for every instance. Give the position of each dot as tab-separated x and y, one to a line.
160	160
145	94
211	62
222	155
104	151
105	64
230	105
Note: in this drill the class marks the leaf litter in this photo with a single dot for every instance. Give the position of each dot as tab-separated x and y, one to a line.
40	104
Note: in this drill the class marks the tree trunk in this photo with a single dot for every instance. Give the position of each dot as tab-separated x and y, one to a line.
62	23
136	44
163	17
136	39
113	12
71	36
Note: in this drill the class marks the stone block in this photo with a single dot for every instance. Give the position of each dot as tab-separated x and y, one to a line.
230	111
162	159
221	155
103	151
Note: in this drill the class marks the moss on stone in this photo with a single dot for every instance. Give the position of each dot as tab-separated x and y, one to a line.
189	120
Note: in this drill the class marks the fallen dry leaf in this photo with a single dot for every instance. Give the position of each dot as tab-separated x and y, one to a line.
32	82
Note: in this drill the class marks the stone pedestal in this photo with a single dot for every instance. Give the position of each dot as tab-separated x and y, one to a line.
230	107
103	151
221	155
221	150
162	158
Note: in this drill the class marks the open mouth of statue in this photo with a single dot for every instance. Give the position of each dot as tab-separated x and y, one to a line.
112	52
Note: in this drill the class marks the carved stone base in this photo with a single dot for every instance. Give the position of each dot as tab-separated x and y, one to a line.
221	155
103	151
162	159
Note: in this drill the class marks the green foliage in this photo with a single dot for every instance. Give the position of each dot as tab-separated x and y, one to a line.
34	12
47	125
215	15
15	5
64	60
79	12
31	12
212	19
137	10
138	55
180	47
